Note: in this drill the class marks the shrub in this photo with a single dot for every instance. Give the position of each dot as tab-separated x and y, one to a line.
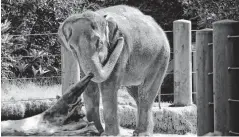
7	48
35	55
205	12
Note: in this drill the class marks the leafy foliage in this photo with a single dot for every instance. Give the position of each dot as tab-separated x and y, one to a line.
6	47
35	55
205	12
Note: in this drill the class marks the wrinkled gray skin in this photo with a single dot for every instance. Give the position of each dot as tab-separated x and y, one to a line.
122	47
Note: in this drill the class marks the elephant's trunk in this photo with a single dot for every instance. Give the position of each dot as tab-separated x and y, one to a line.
103	72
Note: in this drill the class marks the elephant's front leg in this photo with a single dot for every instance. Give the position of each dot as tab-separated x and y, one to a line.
109	99
91	100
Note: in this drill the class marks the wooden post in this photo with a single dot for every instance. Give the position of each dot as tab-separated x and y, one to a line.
182	63
70	69
225	80
232	54
204	68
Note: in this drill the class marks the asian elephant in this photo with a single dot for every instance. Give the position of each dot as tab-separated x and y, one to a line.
122	47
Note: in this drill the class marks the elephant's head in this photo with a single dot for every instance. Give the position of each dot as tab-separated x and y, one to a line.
94	40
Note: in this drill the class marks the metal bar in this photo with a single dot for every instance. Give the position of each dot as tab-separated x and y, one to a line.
194	72
233	68
167	94
233	100
210	73
34	34
57	33
172	31
195	30
232	37
28	100
173	93
31	78
31	56
234	133
167	31
193	51
169	73
210	103
210	44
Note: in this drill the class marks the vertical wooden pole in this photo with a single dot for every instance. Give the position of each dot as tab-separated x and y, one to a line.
204	67
70	70
182	63
232	57
224	80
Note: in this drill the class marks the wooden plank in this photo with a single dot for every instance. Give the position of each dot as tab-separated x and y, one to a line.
204	65
182	63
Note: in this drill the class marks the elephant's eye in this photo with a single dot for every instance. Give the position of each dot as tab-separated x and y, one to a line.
72	48
93	26
99	43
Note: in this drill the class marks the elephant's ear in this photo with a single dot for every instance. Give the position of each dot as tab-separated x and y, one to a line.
113	33
115	48
63	35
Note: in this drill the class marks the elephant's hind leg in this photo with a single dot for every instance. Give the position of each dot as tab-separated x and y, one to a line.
146	96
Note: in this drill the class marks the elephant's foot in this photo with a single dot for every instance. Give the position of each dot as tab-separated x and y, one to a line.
108	134
138	133
104	134
113	131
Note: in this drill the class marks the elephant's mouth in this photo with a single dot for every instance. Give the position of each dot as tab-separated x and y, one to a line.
110	51
111	45
104	60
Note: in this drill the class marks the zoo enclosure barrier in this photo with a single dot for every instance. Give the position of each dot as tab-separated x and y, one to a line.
217	78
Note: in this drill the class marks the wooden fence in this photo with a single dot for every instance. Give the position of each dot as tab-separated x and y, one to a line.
218	78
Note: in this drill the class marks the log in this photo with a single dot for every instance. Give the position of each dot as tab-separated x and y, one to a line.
54	121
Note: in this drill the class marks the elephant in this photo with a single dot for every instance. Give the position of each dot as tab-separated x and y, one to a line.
121	46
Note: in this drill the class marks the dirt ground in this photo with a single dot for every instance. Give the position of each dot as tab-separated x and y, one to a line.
18	93
129	132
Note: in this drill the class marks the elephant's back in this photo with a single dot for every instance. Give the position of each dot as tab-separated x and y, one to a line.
144	38
121	10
